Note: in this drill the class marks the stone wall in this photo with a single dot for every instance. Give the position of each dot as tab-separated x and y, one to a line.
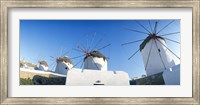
35	77
25	74
156	79
41	80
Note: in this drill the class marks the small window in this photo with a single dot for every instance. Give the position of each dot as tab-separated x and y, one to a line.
98	84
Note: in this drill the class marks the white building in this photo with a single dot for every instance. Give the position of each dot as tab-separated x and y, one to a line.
89	77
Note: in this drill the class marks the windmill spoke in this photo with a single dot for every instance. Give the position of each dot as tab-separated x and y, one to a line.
78	56
86	42
52	57
61	51
132	42
143	26
155	27
97	43
95	64
165	26
82	46
172	40
150	26
136	31
43	57
168	49
159	54
133	54
57	68
57	53
65	53
77	50
108	58
53	66
77	63
104	47
169	34
82	66
149	55
94	35
84	51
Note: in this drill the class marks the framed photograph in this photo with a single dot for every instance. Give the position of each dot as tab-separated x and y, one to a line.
99	52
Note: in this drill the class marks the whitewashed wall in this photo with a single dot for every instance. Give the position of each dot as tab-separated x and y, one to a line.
154	64
61	67
42	67
172	76
76	77
95	63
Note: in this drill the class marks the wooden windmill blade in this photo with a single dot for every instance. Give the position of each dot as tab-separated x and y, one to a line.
137	31
167	34
132	42
143	27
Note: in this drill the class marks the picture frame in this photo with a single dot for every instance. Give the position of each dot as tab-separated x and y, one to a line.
6	4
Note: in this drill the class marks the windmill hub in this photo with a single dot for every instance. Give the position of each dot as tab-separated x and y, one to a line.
88	54
59	60
153	36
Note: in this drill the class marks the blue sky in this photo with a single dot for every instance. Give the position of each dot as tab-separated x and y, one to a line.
40	39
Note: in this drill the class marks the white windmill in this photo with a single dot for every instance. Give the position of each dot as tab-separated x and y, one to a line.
95	70
61	63
93	59
156	55
27	65
96	61
43	65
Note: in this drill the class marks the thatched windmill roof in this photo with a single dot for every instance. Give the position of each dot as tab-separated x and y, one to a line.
148	39
64	59
96	54
22	63
43	63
